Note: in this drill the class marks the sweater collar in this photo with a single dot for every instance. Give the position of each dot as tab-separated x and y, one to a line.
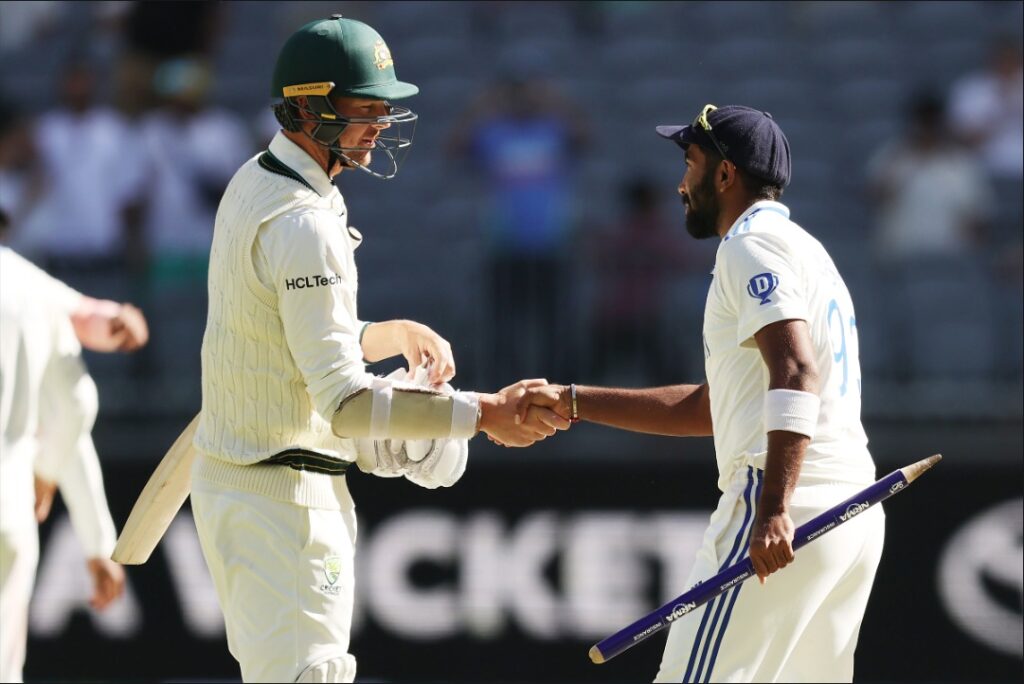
296	159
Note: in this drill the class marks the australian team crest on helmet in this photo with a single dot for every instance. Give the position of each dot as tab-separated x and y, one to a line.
762	285
382	56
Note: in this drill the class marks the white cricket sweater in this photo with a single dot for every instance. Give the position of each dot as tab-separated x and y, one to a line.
281	348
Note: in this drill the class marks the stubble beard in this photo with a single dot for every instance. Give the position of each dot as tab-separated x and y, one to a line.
702	218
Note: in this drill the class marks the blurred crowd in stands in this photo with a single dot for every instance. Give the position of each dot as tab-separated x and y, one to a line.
557	243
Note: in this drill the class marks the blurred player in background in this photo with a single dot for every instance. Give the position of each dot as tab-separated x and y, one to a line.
284	371
48	404
783	397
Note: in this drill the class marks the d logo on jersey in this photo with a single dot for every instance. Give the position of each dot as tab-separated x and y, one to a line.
762	285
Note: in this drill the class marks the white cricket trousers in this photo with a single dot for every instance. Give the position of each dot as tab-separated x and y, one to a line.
19	555
284	577
802	625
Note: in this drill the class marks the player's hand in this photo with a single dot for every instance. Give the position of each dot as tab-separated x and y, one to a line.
553	397
129	328
771	543
107	581
44	498
503	425
419	344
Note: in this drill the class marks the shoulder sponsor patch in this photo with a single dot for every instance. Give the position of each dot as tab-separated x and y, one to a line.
311	281
762	285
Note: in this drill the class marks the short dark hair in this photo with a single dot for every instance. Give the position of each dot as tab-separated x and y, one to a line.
759	188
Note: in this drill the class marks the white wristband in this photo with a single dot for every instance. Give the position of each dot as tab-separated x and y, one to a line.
792	411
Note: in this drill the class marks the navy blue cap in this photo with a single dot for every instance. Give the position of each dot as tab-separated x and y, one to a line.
751	138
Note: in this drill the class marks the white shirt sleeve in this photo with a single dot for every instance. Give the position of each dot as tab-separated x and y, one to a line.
81	486
307	260
760	282
68	402
67	456
45	289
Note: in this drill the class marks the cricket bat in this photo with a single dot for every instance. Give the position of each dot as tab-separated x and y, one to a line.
163	495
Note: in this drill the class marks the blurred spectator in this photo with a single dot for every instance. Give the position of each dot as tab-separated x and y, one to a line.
87	214
934	201
635	263
987	110
155	32
164	30
523	138
20	181
191	151
24	23
264	127
931	196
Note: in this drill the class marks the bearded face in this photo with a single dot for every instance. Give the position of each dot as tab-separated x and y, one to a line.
702	207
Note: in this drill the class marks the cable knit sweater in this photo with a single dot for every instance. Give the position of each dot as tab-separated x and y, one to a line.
281	347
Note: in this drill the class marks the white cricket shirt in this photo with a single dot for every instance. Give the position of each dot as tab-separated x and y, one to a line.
29	299
769	269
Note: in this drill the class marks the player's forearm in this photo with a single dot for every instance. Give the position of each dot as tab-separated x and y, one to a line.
382	340
677	410
791	367
782	470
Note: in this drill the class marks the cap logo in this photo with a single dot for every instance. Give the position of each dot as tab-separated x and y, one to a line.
382	56
321	88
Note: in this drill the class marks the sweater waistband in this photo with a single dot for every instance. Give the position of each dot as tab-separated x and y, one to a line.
301	486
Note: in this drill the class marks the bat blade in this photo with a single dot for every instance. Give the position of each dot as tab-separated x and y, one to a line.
159	502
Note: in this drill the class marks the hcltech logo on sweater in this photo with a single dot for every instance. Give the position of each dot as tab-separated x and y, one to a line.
310	281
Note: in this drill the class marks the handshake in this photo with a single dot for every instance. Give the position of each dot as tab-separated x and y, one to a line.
524	413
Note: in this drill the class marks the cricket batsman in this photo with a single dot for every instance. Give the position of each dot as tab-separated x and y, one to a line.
288	405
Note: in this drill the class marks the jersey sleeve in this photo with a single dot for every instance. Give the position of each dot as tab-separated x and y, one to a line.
306	263
44	287
68	401
761	283
67	455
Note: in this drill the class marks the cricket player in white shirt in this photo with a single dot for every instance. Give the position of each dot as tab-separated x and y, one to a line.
782	400
48	404
288	404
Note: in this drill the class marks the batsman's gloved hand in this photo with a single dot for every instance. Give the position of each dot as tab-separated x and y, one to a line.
429	463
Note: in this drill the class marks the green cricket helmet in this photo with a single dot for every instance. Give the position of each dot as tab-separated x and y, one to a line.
342	57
